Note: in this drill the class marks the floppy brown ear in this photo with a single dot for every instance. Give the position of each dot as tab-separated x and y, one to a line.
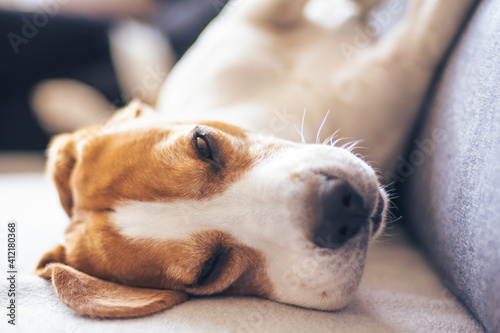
60	163
95	297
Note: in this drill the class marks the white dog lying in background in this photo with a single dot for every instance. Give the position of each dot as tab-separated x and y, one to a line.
212	195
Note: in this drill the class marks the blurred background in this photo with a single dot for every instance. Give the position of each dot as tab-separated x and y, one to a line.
56	60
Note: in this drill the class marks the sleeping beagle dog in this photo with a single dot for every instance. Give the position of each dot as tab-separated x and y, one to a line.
224	189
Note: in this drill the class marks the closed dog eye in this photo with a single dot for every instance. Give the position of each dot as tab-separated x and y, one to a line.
212	268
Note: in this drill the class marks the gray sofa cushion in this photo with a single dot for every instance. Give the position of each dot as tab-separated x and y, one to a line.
452	188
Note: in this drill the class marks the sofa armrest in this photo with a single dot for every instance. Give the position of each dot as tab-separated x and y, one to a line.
452	174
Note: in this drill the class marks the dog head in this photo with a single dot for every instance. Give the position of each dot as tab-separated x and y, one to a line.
160	211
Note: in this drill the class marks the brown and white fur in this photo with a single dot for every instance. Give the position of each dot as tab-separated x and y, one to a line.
216	192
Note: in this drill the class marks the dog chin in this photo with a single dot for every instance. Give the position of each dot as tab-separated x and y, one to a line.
326	279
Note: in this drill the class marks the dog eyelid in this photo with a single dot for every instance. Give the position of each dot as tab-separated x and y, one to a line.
212	268
208	268
203	147
202	144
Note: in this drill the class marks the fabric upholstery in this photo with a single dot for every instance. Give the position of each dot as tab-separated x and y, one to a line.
452	193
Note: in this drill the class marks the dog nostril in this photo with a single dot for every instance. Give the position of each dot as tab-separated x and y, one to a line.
338	197
346	201
343	231
340	215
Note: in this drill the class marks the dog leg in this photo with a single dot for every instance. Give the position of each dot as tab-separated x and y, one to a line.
66	105
283	13
378	95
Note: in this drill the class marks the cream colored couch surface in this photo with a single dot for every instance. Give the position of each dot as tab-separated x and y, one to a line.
399	291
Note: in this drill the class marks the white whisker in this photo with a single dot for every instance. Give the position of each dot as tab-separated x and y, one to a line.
302	139
345	144
321	127
350	145
301	131
360	156
302	124
353	145
328	140
337	141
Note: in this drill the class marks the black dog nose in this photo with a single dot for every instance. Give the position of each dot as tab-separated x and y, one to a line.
340	214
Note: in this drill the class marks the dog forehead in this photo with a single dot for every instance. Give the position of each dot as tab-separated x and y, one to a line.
145	134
